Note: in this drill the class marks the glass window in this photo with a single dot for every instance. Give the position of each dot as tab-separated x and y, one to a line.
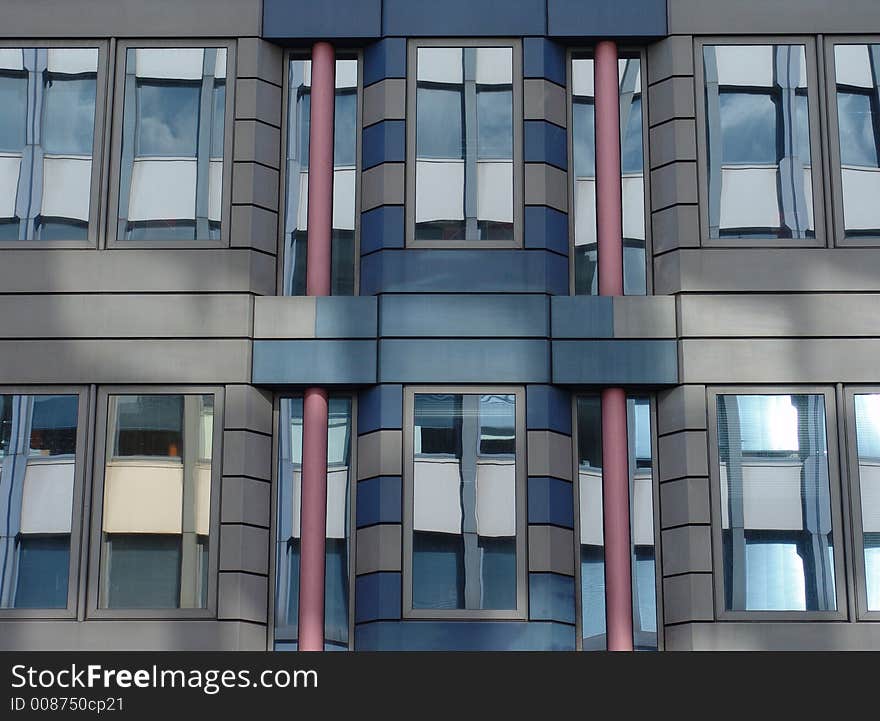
464	180
171	181
640	463
47	129
867	415
156	517
757	133
583	133
858	121
464	502
38	448
345	134
776	531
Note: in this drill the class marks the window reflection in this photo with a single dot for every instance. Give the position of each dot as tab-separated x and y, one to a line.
464	502
757	124
338	541
632	177
171	181
37	470
867	408
858	120
464	144
157	501
344	178
775	504
47	121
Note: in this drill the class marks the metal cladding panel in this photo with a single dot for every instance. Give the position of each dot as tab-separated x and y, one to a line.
606	18
314	362
470	18
465	636
283	19
615	362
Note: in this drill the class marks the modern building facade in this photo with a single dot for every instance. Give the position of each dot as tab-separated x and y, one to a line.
389	324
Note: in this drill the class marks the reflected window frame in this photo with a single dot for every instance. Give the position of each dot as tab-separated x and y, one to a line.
834	153
113	204
520	613
101	119
817	147
841	551
658	575
413	46
303	55
626	52
76	568
282	635
99	469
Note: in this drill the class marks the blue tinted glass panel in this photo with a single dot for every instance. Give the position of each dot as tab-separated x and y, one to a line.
13	111
494	123
69	115
168	119
43	569
748	127
143	571
439	132
867	413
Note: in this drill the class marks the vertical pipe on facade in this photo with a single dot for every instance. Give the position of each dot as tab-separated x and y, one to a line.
315	405
615	472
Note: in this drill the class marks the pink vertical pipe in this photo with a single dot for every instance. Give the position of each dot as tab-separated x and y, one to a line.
615	473
315	407
608	200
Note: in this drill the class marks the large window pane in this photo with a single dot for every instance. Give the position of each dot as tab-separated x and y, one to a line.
464	500
867	412
37	472
171	181
775	504
858	120
464	144
641	493
156	517
342	253
757	134
338	540
47	128
583	133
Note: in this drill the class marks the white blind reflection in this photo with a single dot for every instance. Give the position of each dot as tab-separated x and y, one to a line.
775	503
464	501
867	411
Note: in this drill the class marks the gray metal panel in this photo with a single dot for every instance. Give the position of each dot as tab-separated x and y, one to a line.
125	361
463	361
677	226
379	454
546	185
254	227
283	19
611	362
770	636
144	635
551	550
257	142
670	56
382	185
549	454
346	317
683	454
802	315
604	18
243	596
385	100
258	100
543	100
244	548
672	98
687	549
247	454
125	316
648	316
314	362
248	407
255	185
672	184
582	316
772	16
684	501
136	271
260	59
681	408
245	500
825	360
463	315
379	548
688	598
675	140
285	316
131	18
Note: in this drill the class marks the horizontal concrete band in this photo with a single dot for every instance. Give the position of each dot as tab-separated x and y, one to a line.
464	636
309	317
615	362
294	19
768	636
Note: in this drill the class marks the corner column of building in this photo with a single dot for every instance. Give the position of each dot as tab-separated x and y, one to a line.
615	476
315	406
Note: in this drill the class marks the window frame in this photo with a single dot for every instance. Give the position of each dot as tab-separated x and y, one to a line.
413	45
77	525
98	178
520	613
271	639
817	148
835	489
117	139
94	611
626	52
301	54
834	154
658	571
